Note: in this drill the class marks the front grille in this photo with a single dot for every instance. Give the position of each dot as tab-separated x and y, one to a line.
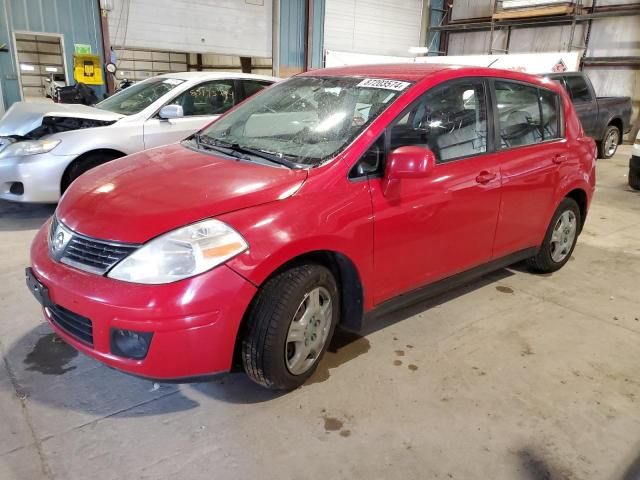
75	325
94	255
89	254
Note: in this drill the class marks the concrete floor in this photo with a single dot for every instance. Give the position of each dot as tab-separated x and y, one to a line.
513	377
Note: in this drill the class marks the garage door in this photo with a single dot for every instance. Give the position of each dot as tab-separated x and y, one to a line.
138	64
39	56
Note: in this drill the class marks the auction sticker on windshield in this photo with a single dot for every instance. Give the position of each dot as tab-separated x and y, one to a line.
396	85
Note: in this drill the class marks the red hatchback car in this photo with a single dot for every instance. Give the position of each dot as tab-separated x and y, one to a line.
325	198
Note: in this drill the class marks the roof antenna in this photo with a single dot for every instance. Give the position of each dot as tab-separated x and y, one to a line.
493	62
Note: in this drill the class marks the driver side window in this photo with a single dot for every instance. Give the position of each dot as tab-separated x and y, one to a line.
450	120
209	98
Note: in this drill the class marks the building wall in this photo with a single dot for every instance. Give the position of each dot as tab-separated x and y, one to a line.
232	27
46	16
615	36
373	26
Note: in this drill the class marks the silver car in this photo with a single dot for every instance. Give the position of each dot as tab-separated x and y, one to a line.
44	146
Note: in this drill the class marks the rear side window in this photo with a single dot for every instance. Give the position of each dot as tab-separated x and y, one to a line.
577	88
252	87
518	113
527	115
450	119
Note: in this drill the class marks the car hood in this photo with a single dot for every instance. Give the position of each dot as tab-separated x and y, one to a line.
136	198
24	117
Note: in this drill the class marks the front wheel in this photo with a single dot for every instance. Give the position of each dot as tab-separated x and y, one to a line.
609	144
289	326
560	239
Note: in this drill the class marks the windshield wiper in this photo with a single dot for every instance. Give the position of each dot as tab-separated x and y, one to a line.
271	157
205	145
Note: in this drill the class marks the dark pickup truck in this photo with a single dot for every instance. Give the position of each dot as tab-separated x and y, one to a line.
605	119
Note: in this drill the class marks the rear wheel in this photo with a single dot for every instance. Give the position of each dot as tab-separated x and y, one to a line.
634	179
560	239
84	164
609	144
289	326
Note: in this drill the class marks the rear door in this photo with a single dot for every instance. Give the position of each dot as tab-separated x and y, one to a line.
529	127
431	228
201	104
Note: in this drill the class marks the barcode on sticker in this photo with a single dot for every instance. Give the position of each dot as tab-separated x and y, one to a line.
396	85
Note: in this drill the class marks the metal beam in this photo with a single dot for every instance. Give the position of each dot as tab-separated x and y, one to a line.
485	24
631	62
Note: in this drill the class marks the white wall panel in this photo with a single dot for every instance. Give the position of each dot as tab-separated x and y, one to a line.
618	37
372	26
235	27
465	9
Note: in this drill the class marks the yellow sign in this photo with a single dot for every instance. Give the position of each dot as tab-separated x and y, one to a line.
86	69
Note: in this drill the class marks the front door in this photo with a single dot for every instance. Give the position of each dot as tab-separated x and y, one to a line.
201	104
427	229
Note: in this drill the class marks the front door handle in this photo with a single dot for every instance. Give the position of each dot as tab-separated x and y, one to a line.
559	159
485	177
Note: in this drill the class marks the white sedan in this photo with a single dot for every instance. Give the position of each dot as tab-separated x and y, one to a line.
44	147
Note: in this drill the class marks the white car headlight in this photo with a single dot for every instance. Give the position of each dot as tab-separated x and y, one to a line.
29	147
181	253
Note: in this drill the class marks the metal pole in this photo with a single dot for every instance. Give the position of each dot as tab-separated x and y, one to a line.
106	45
275	38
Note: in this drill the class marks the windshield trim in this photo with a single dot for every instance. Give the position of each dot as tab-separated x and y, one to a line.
321	161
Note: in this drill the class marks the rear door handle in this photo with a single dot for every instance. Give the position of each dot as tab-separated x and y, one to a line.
485	177
559	159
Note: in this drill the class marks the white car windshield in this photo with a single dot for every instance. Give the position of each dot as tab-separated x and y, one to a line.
137	97
305	120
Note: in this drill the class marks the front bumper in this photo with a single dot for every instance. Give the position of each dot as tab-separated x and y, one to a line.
194	321
40	176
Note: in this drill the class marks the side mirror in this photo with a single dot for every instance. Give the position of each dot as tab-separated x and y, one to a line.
171	111
407	162
48	80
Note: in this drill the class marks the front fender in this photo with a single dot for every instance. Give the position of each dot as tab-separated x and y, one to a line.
339	221
122	137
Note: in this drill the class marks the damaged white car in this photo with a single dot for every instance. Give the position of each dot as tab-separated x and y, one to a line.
44	147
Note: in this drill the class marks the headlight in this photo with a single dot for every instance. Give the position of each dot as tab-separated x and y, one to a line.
29	147
182	253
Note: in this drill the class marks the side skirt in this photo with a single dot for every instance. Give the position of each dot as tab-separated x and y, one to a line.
448	283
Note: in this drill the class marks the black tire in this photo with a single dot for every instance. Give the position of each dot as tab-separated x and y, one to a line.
543	261
602	148
634	179
84	164
264	341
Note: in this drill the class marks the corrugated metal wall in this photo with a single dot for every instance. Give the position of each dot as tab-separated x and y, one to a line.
293	17
77	20
373	26
319	9
616	36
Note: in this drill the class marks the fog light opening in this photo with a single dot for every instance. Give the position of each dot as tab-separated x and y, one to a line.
16	188
130	344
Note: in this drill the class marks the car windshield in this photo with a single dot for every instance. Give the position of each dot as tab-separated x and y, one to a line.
305	120
137	97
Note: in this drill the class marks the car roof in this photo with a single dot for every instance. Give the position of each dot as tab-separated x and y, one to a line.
217	75
415	72
399	71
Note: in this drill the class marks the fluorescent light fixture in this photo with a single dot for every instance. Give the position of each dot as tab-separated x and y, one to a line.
419	50
28	68
51	69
